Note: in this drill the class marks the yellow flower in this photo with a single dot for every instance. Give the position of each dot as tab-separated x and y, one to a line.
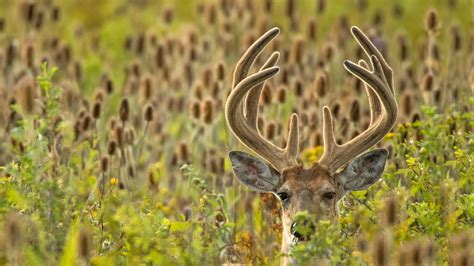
113	181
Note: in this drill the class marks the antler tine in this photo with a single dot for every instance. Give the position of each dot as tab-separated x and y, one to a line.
245	128
379	86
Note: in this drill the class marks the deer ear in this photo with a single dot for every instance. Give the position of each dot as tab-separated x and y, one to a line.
364	171
254	173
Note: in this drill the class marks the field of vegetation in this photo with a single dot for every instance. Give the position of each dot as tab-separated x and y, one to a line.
114	142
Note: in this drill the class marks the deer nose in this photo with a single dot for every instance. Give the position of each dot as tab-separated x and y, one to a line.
302	231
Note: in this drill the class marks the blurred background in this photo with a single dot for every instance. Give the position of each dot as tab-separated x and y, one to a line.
114	143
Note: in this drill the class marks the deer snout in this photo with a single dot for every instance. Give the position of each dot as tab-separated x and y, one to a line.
302	230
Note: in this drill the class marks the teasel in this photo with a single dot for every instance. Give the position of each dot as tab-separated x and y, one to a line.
270	130
2	25
321	84
86	122
268	6
456	38
28	10
381	250
55	13
402	47
111	147
312	29
124	111
160	56
297	50
281	94
146	87
140	45
13	232
407	103
299	90
183	152
207	111
206	77
84	244
28	55
38	19
290	8
117	132
10	54
427	86
211	14
390	211
104	163
397	10
355	111
77	71
27	94
195	109
320	6
431	20
327	51
362	5
266	96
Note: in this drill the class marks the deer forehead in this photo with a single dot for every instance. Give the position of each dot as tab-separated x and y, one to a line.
313	179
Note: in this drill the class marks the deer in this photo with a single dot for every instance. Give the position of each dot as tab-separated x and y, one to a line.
340	169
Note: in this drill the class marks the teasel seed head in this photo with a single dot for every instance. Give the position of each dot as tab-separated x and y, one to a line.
85	243
117	134
281	94
381	251
55	13
13	231
38	19
148	114
299	88
403	47
416	255
183	152
270	130
427	83
27	10
312	29
266	96
390	210
220	71
456	38
111	147
131	171
147	87
298	50
320	6
104	163
96	110
124	109
431	20
129	136
355	111
321	84
168	15
207	111
195	109
86	122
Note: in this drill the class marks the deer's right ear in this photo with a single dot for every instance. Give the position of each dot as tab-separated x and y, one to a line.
254	173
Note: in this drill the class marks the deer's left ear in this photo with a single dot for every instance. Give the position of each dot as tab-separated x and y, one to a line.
364	171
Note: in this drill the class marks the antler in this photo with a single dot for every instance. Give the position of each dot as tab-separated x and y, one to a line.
380	93
245	128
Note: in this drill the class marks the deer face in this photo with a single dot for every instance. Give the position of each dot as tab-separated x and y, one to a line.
314	190
341	168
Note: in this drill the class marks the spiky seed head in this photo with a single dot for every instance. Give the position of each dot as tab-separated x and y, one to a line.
86	122
195	109
55	13
183	152
266	96
13	230
85	243
38	19
220	70
320	6
168	15
270	130
390	210
298	88
281	94
124	109
456	38
109	86
148	114
355	111
118	135
96	109
131	171
380	254
111	147
431	20
104	163
298	50
207	111
427	83
321	84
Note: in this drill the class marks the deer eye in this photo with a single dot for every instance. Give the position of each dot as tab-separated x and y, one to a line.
329	195
284	196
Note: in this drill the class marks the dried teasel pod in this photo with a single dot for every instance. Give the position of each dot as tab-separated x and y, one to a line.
84	244
381	250
321	84
431	20
111	147
168	15
270	130
96	110
220	71
104	163
390	210
281	94
124	110
13	231
320	6
312	29
207	111
148	113
266	96
195	109
456	38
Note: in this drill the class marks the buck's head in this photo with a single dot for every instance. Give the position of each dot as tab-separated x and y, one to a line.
340	169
